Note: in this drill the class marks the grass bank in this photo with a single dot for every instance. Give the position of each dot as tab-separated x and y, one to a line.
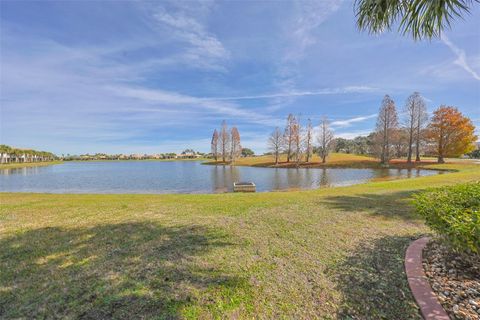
328	253
335	160
28	164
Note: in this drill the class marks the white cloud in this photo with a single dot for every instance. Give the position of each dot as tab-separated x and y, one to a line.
352	134
223	106
310	15
204	49
461	59
307	17
167	98
349	122
325	91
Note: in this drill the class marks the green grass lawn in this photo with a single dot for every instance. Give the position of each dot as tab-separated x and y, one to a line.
328	253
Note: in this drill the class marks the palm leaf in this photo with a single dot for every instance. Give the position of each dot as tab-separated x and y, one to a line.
419	18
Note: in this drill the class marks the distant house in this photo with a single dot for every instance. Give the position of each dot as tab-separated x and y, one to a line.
188	155
5	157
136	156
14	155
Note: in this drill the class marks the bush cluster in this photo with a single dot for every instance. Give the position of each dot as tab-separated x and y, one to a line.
454	213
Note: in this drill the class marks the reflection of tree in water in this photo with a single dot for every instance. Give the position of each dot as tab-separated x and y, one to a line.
399	172
412	173
23	171
292	178
223	178
217	180
380	173
409	173
234	176
324	178
307	181
277	179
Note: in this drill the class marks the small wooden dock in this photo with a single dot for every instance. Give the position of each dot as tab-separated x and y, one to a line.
244	187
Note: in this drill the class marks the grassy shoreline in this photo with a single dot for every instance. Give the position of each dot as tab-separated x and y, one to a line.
335	160
327	253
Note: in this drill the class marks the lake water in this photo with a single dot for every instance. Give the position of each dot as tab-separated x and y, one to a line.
180	177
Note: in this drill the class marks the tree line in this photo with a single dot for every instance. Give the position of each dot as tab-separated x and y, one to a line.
298	142
448	133
225	144
14	155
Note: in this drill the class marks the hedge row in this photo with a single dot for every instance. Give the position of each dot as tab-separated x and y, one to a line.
454	213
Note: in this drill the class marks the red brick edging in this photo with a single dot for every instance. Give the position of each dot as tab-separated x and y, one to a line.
430	308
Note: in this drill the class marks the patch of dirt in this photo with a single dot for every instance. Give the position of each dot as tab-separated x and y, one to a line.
455	279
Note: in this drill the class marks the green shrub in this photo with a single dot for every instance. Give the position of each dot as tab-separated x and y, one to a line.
454	213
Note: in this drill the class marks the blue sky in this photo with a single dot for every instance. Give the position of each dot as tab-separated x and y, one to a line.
150	77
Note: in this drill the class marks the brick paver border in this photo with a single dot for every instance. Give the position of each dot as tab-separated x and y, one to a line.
430	308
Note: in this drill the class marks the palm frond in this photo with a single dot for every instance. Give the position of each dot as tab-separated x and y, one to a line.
419	18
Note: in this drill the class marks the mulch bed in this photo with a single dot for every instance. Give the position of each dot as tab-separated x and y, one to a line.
454	279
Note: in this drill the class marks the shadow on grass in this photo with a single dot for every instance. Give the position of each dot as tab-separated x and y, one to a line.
130	270
392	205
373	282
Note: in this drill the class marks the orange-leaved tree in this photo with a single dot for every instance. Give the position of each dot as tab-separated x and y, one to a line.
452	133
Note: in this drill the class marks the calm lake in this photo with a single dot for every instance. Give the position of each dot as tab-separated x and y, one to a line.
180	177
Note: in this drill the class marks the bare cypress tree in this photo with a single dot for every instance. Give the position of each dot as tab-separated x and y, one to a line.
297	140
387	122
214	145
275	143
399	139
236	148
308	140
410	122
325	139
422	120
289	135
224	140
416	117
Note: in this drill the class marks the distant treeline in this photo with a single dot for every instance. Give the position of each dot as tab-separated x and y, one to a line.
448	133
15	155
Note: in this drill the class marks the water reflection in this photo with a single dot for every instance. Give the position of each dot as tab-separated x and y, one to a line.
324	181
22	171
181	177
222	178
276	179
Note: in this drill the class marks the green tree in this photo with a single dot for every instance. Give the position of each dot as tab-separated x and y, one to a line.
342	145
246	152
361	145
419	18
474	154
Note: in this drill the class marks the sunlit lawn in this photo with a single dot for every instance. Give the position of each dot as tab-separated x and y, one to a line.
329	253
